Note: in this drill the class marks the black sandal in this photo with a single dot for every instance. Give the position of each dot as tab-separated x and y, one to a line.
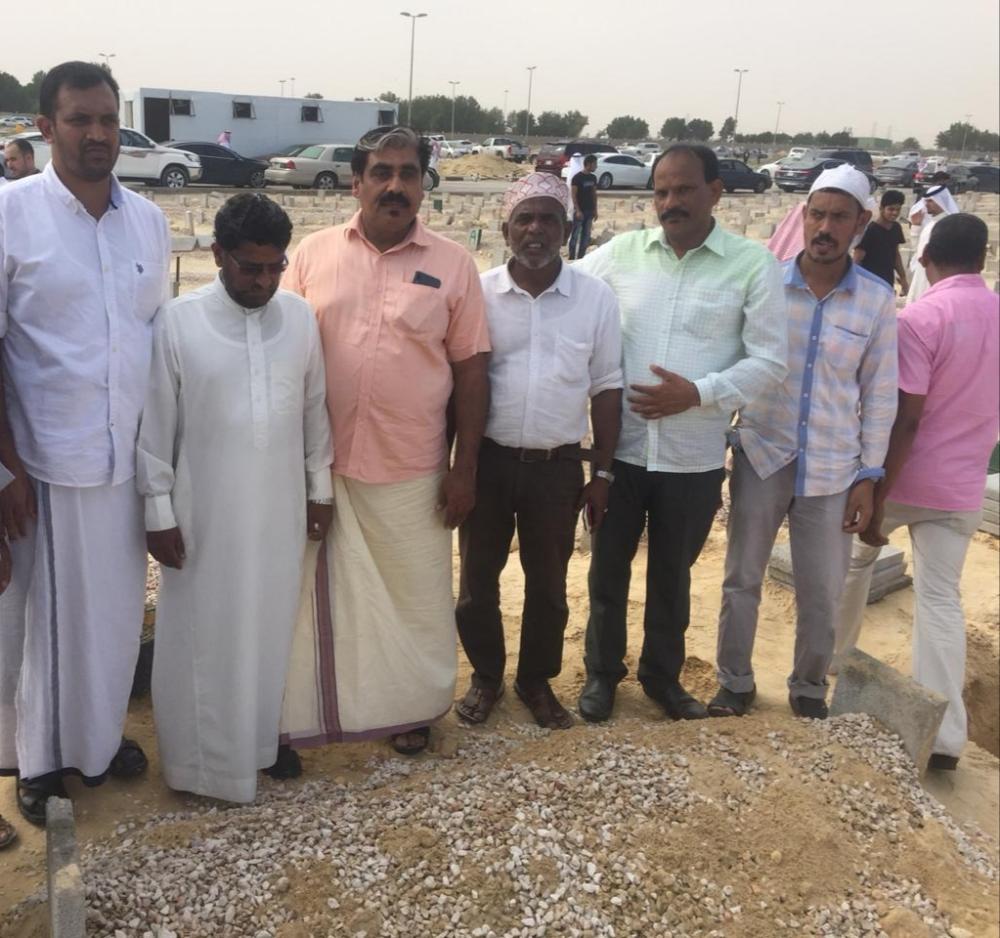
130	761
729	703
424	732
7	833
33	793
287	765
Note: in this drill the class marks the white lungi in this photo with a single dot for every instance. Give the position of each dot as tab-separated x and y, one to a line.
70	627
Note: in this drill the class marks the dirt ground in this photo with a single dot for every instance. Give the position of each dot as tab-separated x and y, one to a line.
970	794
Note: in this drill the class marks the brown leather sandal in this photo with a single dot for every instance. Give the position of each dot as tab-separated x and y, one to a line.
478	703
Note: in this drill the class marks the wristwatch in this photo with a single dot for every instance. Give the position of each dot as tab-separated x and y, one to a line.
605	474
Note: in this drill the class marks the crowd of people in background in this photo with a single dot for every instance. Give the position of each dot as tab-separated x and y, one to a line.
296	441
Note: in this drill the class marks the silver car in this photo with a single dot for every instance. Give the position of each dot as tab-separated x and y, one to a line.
321	166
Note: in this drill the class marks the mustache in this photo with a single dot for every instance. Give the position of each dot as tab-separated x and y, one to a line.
394	198
673	213
823	239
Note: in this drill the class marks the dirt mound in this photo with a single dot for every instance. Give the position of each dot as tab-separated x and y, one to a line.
483	165
982	690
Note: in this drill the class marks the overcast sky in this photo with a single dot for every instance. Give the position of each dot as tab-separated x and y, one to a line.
914	66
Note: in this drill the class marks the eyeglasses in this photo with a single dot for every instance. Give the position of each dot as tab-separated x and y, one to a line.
255	270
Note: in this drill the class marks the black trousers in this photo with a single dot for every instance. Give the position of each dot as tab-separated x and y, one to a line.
540	499
678	509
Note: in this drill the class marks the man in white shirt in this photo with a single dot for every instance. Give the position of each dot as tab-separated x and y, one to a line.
703	332
556	345
235	416
83	269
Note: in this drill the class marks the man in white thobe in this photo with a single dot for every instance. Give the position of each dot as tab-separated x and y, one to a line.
235	437
83	269
936	203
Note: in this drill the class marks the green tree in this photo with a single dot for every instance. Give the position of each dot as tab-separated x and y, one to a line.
627	127
728	128
674	128
515	121
699	129
550	124
390	97
575	122
315	94
803	139
910	143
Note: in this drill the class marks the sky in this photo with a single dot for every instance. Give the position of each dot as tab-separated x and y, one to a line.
861	64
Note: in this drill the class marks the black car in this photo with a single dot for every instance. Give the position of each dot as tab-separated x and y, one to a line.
859	159
900	173
221	166
802	173
735	174
988	176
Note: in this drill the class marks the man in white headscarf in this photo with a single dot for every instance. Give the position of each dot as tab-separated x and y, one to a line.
575	166
936	203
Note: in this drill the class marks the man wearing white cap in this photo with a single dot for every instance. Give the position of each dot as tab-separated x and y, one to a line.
811	448
556	349
936	203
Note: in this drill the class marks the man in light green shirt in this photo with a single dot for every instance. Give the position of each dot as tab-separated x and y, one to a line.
703	333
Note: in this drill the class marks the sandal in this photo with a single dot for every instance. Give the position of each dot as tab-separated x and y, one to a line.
730	703
478	703
7	833
412	749
33	793
130	761
287	765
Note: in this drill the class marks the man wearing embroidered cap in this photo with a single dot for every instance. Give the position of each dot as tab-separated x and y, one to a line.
811	448
936	203
556	345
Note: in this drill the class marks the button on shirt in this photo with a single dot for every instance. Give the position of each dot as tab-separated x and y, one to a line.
77	299
551	354
716	316
389	338
834	411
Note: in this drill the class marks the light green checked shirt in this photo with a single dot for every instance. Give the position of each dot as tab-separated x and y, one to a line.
716	316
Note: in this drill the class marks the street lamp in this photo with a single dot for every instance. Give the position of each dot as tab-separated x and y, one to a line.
292	80
527	114
777	120
107	56
413	35
739	87
965	134
505	92
453	84
281	81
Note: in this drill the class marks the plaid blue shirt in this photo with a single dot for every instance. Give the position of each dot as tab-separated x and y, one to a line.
834	411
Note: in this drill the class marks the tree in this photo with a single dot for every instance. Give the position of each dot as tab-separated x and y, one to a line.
515	121
554	124
910	143
843	138
699	129
627	127
674	128
575	122
728	128
316	95
389	97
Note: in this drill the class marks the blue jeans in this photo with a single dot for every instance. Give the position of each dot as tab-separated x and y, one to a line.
579	238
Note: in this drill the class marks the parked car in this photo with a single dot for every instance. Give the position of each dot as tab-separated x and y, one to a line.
552	157
642	149
320	166
455	148
908	155
618	170
735	174
988	176
897	172
962	180
770	169
797	153
139	160
17	120
505	147
221	166
859	159
291	150
801	174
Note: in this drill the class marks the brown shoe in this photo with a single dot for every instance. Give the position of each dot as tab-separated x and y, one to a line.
544	706
478	703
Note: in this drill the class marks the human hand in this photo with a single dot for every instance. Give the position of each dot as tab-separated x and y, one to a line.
6	564
458	496
18	508
594	497
673	395
872	535
860	505
167	547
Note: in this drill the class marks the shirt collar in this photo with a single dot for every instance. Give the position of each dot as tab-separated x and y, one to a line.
793	276
55	186
220	291
417	235
562	284
715	241
958	282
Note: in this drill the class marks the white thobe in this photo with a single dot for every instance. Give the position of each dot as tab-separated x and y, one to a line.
919	284
235	436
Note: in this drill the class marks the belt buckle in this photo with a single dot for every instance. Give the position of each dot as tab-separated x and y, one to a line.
523	455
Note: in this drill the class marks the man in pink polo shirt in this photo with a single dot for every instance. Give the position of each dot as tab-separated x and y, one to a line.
403	325
935	470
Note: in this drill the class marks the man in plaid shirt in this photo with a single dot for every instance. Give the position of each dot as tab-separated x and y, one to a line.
811	448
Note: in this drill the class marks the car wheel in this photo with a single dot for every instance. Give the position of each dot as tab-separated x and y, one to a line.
762	185
174	177
786	188
257	180
431	180
605	181
764	172
730	189
325	181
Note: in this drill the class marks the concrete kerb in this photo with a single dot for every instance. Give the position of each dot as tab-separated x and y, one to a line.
67	910
911	711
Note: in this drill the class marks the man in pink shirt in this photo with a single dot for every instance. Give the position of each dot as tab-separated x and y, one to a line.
403	326
935	470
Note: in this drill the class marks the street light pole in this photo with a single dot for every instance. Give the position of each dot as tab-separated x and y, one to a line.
527	114
739	87
413	36
292	80
107	56
777	120
453	84
505	92
965	134
281	81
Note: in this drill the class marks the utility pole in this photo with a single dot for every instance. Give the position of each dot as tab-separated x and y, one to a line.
965	134
739	87
413	37
281	81
107	56
777	121
454	84
527	114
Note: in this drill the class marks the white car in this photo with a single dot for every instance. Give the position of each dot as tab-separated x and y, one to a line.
619	170
139	160
642	150
771	169
17	120
453	148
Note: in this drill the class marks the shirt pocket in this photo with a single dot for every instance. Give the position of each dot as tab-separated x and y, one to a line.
711	314
419	311
842	349
148	280
572	361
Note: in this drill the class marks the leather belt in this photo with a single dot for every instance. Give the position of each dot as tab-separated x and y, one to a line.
521	454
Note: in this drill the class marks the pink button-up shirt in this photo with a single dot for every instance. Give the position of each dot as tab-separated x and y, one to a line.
391	325
949	352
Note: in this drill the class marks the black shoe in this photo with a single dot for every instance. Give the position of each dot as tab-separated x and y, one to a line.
32	793
130	761
942	763
287	765
678	703
597	699
731	703
812	708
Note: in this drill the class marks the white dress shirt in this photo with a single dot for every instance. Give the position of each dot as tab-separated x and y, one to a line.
77	299
551	354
